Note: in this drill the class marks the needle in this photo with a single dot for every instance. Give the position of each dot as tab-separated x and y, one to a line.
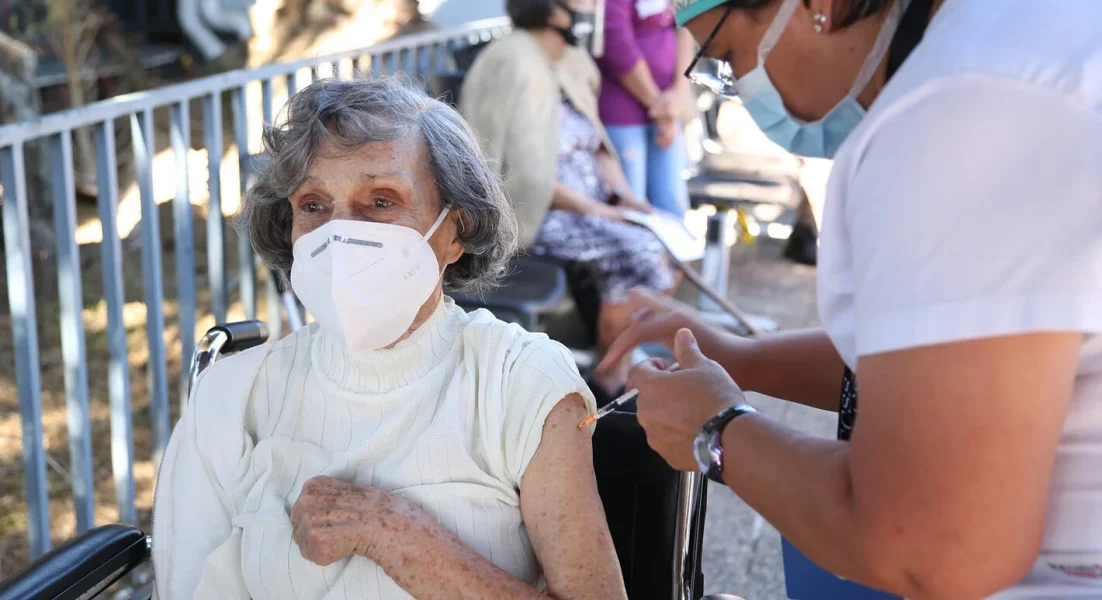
617	403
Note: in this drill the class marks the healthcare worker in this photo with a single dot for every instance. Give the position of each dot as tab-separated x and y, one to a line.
960	279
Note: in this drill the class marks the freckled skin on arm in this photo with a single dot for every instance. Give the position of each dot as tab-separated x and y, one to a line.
563	514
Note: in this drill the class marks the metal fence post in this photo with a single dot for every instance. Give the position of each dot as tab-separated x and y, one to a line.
216	254
71	301
141	129
118	367
246	258
275	317
17	250
184	226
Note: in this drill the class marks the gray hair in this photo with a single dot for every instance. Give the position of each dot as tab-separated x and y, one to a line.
350	113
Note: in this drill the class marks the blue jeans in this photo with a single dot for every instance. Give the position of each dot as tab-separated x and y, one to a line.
653	172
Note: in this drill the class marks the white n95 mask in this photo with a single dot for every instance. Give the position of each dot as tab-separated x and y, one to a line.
365	282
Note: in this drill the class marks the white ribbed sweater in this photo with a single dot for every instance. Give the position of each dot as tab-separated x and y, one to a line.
449	418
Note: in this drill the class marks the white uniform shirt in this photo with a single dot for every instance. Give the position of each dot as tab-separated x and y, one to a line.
968	204
449	418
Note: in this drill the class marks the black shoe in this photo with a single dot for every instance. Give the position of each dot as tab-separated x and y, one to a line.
802	246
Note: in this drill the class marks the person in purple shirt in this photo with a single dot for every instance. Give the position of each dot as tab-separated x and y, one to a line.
643	96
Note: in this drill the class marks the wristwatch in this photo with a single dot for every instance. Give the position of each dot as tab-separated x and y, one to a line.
708	444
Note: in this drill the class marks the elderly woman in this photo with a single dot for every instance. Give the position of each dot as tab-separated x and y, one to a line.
532	98
398	447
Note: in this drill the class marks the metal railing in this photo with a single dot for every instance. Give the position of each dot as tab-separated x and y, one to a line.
417	55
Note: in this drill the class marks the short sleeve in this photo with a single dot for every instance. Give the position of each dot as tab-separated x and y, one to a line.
622	49
974	209
541	376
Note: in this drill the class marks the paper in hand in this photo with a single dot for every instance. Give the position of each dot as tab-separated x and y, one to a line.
672	232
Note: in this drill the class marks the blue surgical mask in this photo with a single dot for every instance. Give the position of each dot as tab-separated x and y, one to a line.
822	138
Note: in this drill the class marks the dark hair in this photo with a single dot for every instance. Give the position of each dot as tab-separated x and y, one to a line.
858	9
350	113
529	14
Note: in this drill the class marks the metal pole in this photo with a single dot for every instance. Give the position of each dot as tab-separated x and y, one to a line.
118	366
688	505
72	328
185	239
141	129
216	247
246	259
17	251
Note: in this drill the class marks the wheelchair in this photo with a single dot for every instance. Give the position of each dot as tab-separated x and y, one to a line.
655	514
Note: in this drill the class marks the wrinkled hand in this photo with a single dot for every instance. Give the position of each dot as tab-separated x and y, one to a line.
334	519
666	134
674	406
657	318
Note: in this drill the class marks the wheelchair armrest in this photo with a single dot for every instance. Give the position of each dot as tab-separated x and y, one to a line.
82	567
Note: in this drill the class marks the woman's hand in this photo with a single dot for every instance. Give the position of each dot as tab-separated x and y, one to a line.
607	211
666	134
334	519
674	406
628	201
668	107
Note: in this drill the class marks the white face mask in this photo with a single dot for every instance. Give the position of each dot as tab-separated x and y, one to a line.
365	282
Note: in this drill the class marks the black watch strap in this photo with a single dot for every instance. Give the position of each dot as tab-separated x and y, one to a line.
711	438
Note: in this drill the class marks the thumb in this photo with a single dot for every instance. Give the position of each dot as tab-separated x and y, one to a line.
686	350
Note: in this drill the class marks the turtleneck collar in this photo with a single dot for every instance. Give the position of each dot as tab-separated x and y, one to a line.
381	371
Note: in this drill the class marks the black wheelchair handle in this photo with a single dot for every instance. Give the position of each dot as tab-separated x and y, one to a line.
81	567
243	335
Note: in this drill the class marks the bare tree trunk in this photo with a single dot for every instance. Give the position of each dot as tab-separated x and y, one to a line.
18	98
75	26
19	101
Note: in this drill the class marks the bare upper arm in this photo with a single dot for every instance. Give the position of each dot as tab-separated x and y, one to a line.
953	453
563	513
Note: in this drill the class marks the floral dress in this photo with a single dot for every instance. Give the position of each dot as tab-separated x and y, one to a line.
622	255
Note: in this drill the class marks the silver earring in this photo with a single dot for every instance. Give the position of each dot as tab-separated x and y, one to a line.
820	22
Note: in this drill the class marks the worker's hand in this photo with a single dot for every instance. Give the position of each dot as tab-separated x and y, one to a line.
674	406
655	319
334	519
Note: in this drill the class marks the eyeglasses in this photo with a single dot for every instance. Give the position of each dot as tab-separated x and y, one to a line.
722	82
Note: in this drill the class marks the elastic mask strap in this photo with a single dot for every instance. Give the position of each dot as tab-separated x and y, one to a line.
436	225
883	42
776	29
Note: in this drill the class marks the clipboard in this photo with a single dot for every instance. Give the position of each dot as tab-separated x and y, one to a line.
673	234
